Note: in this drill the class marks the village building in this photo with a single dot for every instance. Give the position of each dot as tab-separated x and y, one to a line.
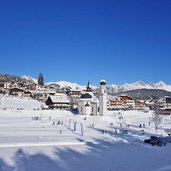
2	91
164	105
74	92
5	85
53	86
128	102
32	86
139	104
74	95
9	85
24	84
116	103
164	102
42	94
58	101
16	92
27	93
151	103
123	102
28	85
165	111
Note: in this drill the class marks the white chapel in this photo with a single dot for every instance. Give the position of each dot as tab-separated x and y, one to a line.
90	104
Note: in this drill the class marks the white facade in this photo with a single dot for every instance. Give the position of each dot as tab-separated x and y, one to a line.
129	103
103	98
8	85
88	104
95	108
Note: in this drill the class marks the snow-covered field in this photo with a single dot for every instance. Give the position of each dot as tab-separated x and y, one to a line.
33	140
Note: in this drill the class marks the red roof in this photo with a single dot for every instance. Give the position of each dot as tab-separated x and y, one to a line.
124	98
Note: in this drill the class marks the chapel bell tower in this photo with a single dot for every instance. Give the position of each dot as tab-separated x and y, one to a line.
102	98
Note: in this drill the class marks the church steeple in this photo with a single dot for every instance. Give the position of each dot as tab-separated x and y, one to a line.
102	98
88	87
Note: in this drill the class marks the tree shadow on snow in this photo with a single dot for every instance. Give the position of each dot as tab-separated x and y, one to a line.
5	167
67	159
99	156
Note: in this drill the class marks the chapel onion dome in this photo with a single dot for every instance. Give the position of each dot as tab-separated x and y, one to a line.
102	82
86	96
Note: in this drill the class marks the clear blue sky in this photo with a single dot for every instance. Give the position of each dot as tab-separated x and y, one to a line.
80	40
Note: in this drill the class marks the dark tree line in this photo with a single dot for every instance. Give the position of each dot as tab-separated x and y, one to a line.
8	77
145	94
13	78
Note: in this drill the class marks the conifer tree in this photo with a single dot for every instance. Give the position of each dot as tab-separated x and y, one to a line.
41	79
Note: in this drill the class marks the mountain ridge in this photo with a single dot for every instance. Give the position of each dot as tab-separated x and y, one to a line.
113	88
139	85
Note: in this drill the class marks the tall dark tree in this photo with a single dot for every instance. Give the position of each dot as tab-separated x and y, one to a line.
41	79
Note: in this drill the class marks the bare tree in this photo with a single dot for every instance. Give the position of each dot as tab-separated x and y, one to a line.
156	118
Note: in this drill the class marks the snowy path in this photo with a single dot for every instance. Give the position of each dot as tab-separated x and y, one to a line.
37	144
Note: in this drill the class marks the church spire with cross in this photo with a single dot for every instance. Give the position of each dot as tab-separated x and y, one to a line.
88	87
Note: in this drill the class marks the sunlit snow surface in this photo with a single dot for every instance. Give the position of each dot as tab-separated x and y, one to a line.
45	140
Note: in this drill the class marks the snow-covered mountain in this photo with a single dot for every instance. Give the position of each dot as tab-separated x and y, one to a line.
29	78
139	85
64	84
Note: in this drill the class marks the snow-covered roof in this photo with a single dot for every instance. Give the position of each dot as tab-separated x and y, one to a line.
53	85
150	102
44	91
89	96
102	82
59	98
76	89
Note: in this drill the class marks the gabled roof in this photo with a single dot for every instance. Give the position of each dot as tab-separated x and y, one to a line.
126	98
60	98
53	85
75	90
44	91
16	89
